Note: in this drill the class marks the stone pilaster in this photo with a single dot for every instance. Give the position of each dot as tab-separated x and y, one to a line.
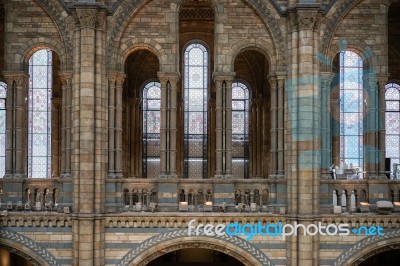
223	128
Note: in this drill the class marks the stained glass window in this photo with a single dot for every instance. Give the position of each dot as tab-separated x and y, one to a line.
151	129
3	90
39	114
195	111
351	109
392	120
240	130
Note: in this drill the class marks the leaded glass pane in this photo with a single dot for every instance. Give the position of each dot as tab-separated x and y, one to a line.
392	122
195	111
351	109
3	92
39	114
151	130
240	130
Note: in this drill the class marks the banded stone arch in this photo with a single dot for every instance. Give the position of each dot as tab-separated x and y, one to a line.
369	246
161	244
125	9
141	43
260	46
30	47
27	248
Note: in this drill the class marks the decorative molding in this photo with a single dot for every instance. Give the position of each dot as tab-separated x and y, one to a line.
7	236
360	249
235	246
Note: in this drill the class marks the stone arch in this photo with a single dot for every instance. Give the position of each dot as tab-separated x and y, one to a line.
35	44
369	246
262	47
13	241
142	43
334	16
156	246
123	10
357	46
65	24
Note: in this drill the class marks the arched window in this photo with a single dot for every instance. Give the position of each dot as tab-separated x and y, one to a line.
3	91
39	114
392	120
240	130
195	111
351	109
151	129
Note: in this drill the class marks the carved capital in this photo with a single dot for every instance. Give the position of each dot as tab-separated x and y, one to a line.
66	77
172	77
326	79
19	77
223	76
382	80
90	18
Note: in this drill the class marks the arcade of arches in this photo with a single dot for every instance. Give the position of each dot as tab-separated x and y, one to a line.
122	121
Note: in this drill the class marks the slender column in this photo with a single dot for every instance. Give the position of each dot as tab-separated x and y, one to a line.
173	110
371	126
326	160
382	81
18	82
164	134
274	125
168	126
111	125
281	120
66	79
55	137
118	124
10	128
218	130
228	126
223	128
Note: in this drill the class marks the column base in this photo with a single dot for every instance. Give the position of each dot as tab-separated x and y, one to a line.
165	176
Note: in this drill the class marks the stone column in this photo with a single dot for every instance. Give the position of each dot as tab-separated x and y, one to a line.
281	123
89	132
371	125
274	125
16	151
111	124
305	143
382	81
223	128
168	127
66	79
55	137
326	139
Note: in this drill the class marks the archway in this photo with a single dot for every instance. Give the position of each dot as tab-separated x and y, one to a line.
175	240
389	257
195	256
8	258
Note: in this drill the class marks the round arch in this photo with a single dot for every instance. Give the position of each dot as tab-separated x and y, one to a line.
26	247
266	49
123	10
161	244
141	44
35	44
359	47
369	246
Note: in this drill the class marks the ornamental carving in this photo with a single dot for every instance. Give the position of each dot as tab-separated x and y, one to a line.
179	239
